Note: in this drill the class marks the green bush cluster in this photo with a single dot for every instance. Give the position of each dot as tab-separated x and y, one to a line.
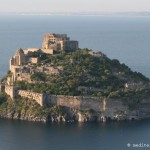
80	69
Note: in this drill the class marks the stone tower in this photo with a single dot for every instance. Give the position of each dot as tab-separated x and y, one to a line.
18	59
59	42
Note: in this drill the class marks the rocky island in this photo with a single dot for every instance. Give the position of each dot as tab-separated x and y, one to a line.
61	82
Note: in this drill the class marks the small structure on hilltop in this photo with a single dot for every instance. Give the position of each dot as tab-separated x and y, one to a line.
18	59
96	53
58	42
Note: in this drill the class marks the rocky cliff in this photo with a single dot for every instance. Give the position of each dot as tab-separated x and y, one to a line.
113	109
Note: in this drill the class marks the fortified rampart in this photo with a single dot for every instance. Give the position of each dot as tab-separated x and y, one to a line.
62	100
95	103
38	97
76	102
113	108
108	106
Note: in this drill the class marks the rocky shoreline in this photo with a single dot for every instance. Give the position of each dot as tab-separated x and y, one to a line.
76	117
114	110
29	110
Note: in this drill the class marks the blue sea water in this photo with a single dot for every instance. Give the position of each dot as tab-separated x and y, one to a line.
22	135
124	38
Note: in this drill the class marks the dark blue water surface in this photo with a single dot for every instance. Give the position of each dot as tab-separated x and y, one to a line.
124	38
22	135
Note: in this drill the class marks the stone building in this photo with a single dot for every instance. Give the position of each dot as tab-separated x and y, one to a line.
20	62
59	42
96	53
18	59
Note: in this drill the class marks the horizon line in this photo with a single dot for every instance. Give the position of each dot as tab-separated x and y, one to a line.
83	13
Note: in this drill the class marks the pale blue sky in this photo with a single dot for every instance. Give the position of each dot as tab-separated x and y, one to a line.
73	5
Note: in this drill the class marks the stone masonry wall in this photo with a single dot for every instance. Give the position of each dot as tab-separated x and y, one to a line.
108	107
68	101
38	97
11	91
78	102
95	103
115	106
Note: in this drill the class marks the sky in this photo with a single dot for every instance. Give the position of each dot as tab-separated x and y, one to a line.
74	5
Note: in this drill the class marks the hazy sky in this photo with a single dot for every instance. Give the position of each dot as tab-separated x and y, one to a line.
73	5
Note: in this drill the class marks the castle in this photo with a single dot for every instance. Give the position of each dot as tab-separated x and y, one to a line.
58	42
52	43
22	67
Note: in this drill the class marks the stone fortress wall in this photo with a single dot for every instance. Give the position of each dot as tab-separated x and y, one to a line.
107	107
11	91
76	102
112	108
38	97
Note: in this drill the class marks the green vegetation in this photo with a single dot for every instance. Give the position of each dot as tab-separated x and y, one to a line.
38	76
82	74
3	98
22	108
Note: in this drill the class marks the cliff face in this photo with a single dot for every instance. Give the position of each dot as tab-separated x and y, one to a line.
113	109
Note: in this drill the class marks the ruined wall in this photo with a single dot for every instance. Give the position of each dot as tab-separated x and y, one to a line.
78	102
115	106
70	45
38	97
95	103
108	107
34	60
68	101
11	91
48	51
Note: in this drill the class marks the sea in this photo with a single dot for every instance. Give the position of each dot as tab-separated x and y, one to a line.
126	38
